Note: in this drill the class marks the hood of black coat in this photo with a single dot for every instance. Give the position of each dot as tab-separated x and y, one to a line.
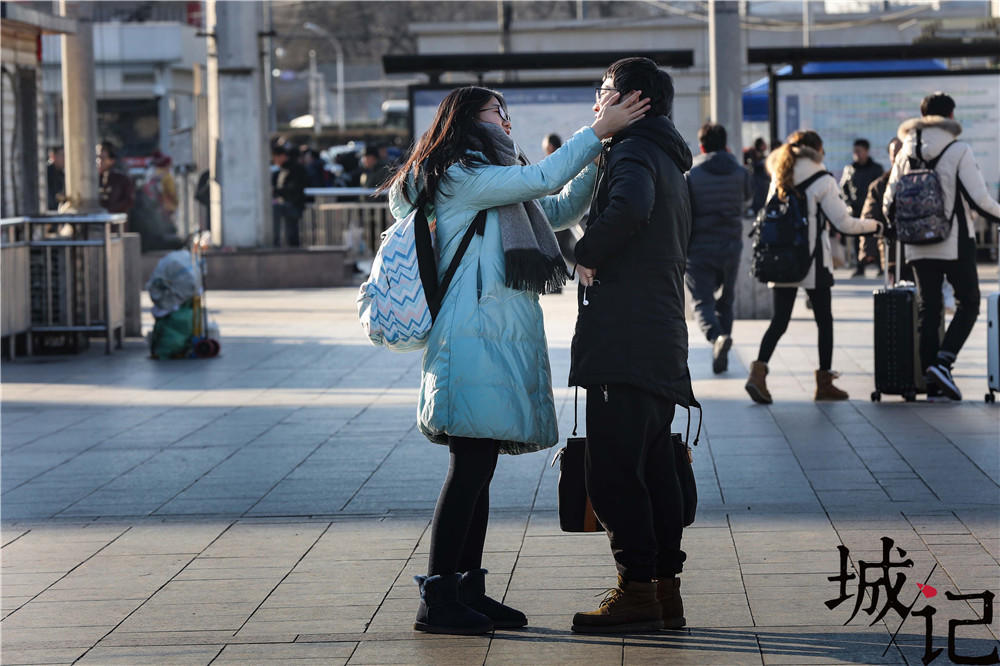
661	131
719	163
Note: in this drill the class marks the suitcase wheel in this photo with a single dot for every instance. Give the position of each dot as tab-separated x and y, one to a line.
991	397
910	396
876	396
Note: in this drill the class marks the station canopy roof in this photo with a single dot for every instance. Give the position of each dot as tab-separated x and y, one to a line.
755	95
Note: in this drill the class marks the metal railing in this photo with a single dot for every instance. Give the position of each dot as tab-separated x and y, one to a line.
344	217
15	276
76	274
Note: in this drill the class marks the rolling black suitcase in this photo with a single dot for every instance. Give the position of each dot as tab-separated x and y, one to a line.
897	352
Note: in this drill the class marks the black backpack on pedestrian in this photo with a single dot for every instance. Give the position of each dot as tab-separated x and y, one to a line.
781	236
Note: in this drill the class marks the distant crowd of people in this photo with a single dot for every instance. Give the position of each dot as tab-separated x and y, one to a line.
296	168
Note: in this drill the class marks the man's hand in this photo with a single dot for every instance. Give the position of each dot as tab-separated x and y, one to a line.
587	275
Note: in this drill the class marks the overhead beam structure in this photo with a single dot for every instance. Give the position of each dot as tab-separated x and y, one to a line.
479	63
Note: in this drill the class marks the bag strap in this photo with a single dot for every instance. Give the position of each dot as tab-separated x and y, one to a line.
933	163
477	227
920	154
801	187
576	408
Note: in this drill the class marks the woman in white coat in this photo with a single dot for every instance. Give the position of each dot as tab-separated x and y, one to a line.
798	160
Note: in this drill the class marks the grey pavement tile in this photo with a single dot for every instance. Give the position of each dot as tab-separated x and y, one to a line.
300	654
52	637
457	651
71	614
174	655
696	645
256	629
19	656
541	646
827	645
169	638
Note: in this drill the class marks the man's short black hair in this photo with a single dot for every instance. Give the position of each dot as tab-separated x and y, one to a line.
759	143
642	74
278	149
863	143
937	104
109	148
553	140
712	137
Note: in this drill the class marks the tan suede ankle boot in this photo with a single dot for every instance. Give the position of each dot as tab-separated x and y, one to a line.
825	390
668	593
756	384
628	608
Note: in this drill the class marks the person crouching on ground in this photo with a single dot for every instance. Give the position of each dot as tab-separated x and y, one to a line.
800	158
720	190
485	384
630	353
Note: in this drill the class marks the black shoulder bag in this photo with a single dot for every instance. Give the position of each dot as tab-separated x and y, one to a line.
576	513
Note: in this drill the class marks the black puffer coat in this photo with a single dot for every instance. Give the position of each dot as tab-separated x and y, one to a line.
720	191
633	330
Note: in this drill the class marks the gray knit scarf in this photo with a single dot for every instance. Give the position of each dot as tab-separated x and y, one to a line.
532	259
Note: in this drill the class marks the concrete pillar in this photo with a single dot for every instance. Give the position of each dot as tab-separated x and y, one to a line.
79	108
726	62
238	160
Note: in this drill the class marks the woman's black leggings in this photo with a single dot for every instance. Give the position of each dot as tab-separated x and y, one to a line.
784	301
458	532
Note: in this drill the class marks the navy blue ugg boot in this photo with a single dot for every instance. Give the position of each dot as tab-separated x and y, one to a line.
441	612
472	592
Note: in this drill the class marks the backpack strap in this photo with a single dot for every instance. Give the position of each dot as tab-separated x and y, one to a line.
801	188
477	227
920	154
933	163
804	185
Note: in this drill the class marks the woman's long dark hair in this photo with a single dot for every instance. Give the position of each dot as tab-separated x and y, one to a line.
447	141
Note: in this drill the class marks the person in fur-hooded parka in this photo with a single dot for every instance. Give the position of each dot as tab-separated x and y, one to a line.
936	133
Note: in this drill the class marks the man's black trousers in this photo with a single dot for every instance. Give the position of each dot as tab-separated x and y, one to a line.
632	479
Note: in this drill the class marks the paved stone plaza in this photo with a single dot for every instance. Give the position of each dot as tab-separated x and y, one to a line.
272	505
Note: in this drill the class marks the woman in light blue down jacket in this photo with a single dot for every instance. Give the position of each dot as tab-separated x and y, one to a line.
486	386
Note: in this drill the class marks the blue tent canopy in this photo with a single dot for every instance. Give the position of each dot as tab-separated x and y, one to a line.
755	103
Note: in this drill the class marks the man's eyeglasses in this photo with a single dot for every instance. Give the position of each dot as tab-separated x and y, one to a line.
500	112
598	91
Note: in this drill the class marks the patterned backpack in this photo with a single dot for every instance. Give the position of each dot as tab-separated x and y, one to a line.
398	303
920	216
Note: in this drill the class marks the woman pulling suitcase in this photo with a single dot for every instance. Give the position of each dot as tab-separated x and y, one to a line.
799	164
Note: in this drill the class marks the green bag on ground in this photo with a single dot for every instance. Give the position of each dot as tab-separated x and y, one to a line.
171	336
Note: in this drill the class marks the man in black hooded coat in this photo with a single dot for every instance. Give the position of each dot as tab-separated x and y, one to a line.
630	353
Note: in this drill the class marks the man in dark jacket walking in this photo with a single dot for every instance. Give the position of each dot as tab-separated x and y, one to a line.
630	353
872	210
854	183
720	190
289	195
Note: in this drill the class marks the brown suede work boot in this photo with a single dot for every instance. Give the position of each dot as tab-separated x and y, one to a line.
629	608
756	384
825	390
668	593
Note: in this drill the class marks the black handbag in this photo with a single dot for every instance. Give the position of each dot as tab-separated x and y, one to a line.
576	513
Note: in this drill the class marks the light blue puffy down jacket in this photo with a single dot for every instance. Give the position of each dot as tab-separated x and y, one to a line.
486	365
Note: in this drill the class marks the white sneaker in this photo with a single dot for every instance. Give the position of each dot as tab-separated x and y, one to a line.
720	354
